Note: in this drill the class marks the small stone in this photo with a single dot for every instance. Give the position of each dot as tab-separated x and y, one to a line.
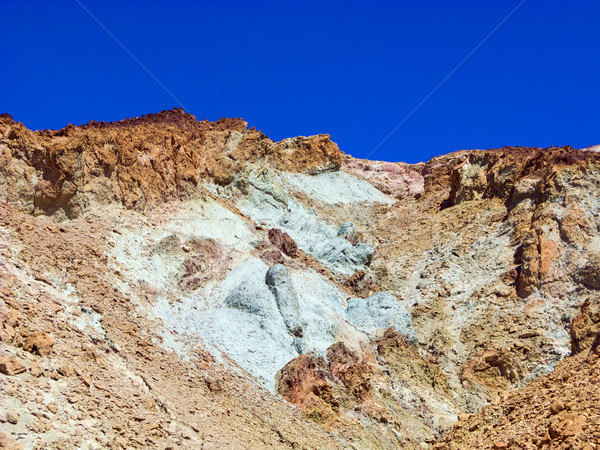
86	380
152	426
500	444
11	366
72	399
12	417
556	406
149	402
34	369
66	371
52	408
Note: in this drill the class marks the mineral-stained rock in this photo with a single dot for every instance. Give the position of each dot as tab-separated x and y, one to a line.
283	241
141	247
314	154
585	326
567	396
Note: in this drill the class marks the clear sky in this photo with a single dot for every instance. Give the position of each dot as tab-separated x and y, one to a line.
351	69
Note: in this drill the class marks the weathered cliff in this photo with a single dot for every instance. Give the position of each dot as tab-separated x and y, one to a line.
174	282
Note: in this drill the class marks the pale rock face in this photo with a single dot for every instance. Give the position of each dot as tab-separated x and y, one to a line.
380	311
337	188
340	254
251	296
346	230
307	230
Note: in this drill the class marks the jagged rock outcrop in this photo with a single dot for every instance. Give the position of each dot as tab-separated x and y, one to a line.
141	162
585	327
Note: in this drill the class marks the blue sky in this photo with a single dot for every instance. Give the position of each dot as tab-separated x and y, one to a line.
351	69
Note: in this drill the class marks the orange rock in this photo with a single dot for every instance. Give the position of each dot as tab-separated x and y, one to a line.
39	343
556	406
566	426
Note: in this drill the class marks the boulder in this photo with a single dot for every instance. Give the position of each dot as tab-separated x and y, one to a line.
342	255
11	366
39	343
279	281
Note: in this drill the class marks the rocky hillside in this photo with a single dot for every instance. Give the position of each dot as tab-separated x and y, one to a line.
174	283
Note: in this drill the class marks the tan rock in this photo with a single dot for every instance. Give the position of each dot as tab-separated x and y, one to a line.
556	406
34	369
66	371
12	417
11	366
39	343
9	444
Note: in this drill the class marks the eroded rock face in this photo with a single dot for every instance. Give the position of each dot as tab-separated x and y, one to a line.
346	381
158	267
586	326
558	410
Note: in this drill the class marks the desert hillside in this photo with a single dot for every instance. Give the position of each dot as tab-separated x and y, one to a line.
173	283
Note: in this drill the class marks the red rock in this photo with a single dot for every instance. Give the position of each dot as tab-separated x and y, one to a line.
283	241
